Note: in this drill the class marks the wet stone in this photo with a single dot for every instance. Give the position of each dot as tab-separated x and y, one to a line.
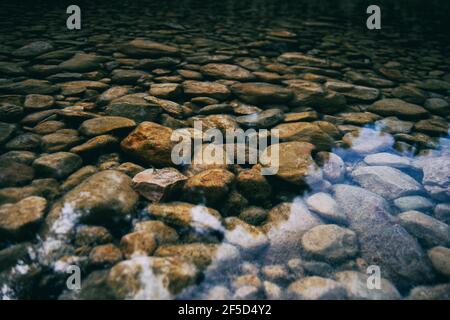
382	241
103	125
57	165
326	207
6	131
158	184
330	242
104	255
426	228
264	119
388	182
437	106
150	142
440	258
33	49
398	108
19	219
82	62
413	203
14	174
101	198
133	107
261	93
227	71
315	288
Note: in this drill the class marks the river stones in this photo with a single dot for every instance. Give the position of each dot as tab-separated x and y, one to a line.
104	255
19	219
33	49
150	143
440	258
182	214
162	233
104	125
261	93
326	207
436	176
226	71
213	90
305	131
14	173
148	48
209	186
292	162
112	93
170	275
398	108
367	141
134	107
263	119
96	144
437	106
29	86
316	288
353	92
286	223
57	165
166	90
139	243
6	131
431	231
157	185
302	59
330	242
358	177
356	285
82	62
382	241
101	198
388	182
38	101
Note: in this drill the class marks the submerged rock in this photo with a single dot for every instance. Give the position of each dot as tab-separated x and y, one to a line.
388	182
19	219
382	241
158	185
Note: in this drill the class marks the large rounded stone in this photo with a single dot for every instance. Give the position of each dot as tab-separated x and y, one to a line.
330	242
17	220
148	48
261	93
382	240
388	182
103	125
304	131
151	143
317	288
57	165
292	163
102	198
226	71
399	108
440	258
209	186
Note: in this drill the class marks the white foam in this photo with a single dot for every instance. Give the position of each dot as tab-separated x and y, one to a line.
151	285
201	219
